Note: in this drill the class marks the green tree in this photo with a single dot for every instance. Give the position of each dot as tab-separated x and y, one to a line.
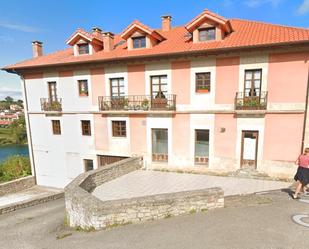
18	130
9	99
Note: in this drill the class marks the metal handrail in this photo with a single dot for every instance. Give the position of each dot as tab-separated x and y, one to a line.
137	102
48	104
257	102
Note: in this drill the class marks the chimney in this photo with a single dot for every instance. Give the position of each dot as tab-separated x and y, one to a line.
166	22
108	41
37	49
96	30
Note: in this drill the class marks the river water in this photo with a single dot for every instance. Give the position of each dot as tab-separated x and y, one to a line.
10	150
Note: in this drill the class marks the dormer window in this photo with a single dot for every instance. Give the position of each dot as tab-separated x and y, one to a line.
139	35
139	42
209	26
83	48
207	34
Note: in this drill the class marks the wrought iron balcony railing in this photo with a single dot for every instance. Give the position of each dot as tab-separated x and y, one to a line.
137	102
243	102
48	104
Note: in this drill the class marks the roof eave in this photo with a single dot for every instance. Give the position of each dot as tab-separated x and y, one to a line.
17	70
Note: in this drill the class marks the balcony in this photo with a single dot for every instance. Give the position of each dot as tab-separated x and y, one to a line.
48	104
138	102
251	102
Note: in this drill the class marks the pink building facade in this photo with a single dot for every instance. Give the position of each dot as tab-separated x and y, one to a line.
214	95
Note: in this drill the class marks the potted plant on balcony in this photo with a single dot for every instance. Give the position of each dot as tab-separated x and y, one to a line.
145	104
55	106
251	103
160	101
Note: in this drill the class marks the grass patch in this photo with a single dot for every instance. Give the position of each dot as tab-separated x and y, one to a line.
62	236
167	216
88	229
14	167
117	225
192	211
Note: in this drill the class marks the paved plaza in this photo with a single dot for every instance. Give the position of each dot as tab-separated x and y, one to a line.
147	182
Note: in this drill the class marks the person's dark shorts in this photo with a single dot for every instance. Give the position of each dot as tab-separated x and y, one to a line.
302	175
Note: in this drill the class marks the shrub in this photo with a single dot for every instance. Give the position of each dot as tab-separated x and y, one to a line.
14	167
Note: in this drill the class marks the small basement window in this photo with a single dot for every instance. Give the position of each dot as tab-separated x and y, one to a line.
207	34
88	164
83	48
139	42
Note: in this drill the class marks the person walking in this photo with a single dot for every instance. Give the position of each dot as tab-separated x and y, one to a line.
302	174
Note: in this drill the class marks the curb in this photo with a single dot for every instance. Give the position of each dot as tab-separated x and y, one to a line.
30	202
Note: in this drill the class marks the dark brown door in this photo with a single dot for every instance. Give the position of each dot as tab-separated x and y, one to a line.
52	91
249	149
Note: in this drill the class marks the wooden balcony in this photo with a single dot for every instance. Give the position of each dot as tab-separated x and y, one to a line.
243	102
48	104
138	102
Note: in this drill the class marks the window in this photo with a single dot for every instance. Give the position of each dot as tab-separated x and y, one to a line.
83	87
207	34
139	42
86	129
119	128
159	86
201	146
56	127
253	81
202	82
83	48
88	164
159	145
117	87
52	91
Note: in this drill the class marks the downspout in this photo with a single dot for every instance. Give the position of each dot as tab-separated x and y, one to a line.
305	116
29	135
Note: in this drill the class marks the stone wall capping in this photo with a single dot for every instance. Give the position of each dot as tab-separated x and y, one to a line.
88	212
17	185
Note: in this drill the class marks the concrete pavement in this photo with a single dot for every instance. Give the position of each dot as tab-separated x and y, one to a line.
259	221
147	182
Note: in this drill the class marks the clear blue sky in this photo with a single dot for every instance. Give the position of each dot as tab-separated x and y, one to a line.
54	21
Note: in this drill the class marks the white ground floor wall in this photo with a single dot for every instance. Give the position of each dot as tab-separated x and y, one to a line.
58	159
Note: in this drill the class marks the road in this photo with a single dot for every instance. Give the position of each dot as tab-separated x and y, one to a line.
254	221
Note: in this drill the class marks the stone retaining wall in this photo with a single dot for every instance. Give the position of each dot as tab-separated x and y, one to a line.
17	185
30	203
88	212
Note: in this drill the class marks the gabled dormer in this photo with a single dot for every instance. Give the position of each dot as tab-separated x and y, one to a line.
139	36
209	26
85	43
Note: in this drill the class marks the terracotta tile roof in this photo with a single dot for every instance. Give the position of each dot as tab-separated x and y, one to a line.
137	25
89	36
206	14
246	34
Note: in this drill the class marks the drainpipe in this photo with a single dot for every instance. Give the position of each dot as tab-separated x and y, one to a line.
305	116
27	119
